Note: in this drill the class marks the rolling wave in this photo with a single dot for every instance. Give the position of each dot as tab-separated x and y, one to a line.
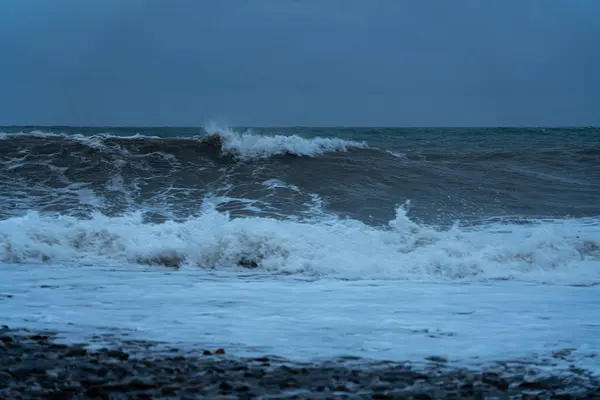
547	251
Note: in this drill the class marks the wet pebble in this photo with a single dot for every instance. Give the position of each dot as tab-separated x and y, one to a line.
36	367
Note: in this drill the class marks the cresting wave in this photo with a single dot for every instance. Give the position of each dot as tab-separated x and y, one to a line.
557	251
242	146
247	146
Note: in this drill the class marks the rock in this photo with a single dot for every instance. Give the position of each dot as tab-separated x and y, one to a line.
169	390
537	385
194	388
26	370
141	384
116	387
76	352
242	388
437	359
256	373
121	355
492	378
30	368
207	353
92	381
225	387
147	395
38	337
5	378
291	370
289	384
248	263
422	396
6	339
341	388
220	351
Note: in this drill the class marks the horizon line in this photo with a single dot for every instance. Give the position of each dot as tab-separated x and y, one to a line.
308	126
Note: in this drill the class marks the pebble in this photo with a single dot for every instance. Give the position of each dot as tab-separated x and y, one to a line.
36	367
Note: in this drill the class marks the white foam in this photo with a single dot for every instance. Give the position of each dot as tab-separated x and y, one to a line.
248	146
276	183
477	322
556	251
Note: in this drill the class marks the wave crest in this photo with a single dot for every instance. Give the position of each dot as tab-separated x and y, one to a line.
248	146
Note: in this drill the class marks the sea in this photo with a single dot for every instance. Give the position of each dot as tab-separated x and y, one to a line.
474	245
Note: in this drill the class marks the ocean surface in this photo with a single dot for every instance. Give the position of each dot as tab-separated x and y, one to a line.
478	245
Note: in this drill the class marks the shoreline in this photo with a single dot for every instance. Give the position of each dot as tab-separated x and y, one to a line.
33	365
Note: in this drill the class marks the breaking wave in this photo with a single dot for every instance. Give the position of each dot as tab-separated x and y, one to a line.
248	146
242	146
565	250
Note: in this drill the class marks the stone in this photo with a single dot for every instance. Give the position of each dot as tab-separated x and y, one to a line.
494	379
76	352
169	390
242	388
341	388
26	370
6	339
381	396
121	355
225	387
5	379
422	396
220	351
437	359
194	388
38	337
141	384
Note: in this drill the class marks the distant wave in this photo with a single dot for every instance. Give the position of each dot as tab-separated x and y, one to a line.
242	146
248	145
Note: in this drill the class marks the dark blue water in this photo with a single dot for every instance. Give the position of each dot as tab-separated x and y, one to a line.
447	174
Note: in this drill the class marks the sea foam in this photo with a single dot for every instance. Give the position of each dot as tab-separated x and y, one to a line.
552	251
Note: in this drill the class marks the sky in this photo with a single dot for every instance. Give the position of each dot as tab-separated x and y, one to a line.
300	62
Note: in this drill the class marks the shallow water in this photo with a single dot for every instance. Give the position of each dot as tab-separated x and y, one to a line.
305	320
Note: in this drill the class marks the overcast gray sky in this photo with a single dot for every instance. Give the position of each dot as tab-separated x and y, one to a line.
300	62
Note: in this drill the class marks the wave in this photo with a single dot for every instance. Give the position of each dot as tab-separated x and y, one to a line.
328	246
248	146
242	146
362	179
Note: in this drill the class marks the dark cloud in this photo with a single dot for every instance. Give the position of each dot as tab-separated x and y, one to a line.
300	62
